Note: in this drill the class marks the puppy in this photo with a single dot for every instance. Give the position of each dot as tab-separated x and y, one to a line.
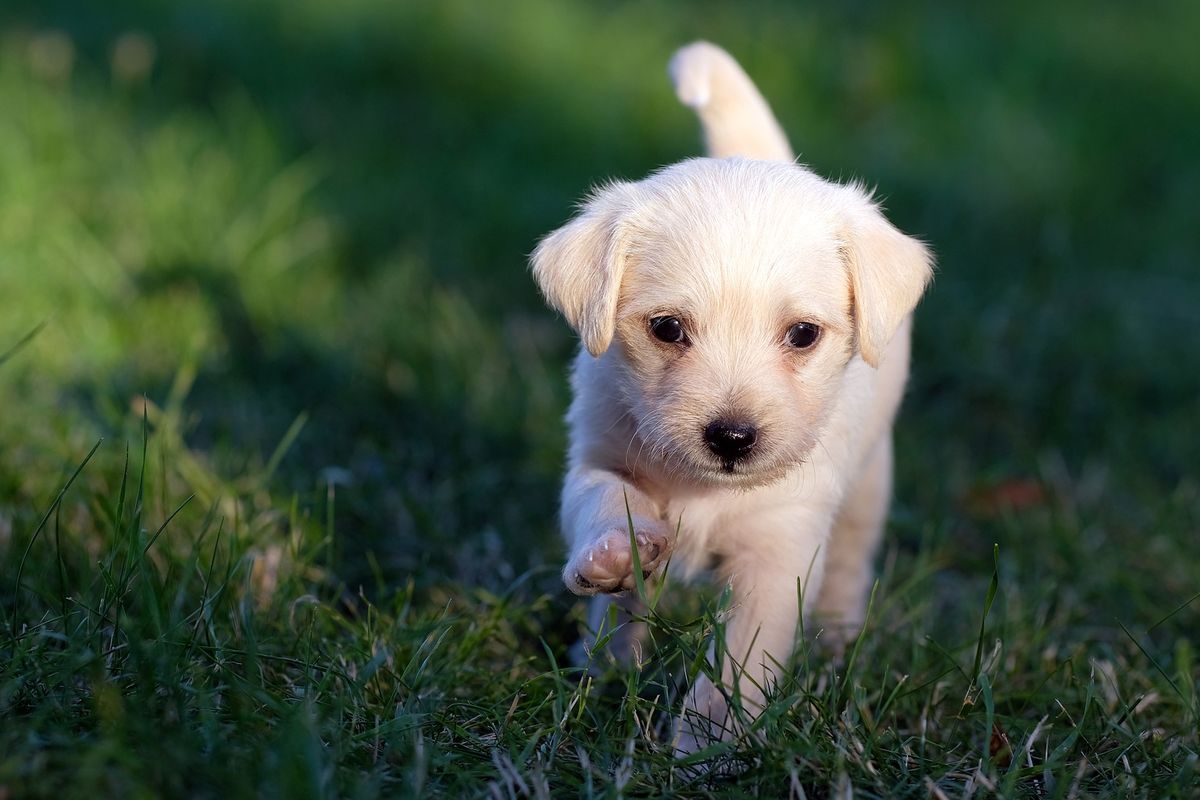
745	330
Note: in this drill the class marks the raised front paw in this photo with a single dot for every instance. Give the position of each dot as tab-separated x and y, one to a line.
606	564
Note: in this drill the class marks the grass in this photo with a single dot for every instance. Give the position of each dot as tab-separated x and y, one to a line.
280	456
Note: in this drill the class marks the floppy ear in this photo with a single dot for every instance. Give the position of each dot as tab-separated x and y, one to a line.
888	273
580	265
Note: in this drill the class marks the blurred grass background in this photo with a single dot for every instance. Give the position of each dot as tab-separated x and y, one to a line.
289	239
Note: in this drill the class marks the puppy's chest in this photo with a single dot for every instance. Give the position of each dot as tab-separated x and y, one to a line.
711	526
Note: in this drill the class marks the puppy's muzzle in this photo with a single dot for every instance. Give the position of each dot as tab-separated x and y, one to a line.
730	440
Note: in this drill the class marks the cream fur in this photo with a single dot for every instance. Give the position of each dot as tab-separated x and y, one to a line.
738	249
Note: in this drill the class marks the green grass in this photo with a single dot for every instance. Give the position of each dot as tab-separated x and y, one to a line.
279	463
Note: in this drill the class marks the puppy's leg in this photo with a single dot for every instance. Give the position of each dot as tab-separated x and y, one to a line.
600	559
596	509
779	558
841	606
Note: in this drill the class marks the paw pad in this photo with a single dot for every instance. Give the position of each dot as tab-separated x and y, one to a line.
606	565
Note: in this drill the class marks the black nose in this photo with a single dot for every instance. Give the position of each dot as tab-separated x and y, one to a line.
730	440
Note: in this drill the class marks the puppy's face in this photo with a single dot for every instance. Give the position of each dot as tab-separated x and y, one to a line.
733	294
734	323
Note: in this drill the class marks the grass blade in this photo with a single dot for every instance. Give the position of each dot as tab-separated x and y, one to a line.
987	607
639	580
33	538
24	340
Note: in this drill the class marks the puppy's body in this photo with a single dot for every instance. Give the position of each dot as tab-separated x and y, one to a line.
746	333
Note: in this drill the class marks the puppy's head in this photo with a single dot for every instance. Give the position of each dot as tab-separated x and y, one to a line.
733	294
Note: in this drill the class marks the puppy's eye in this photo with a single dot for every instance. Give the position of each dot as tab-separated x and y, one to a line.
668	329
803	335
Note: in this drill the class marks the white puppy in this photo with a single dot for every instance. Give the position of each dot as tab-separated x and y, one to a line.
745	329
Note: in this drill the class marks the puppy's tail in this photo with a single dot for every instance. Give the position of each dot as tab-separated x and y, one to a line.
736	119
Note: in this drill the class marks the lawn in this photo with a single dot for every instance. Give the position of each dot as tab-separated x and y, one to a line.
280	406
